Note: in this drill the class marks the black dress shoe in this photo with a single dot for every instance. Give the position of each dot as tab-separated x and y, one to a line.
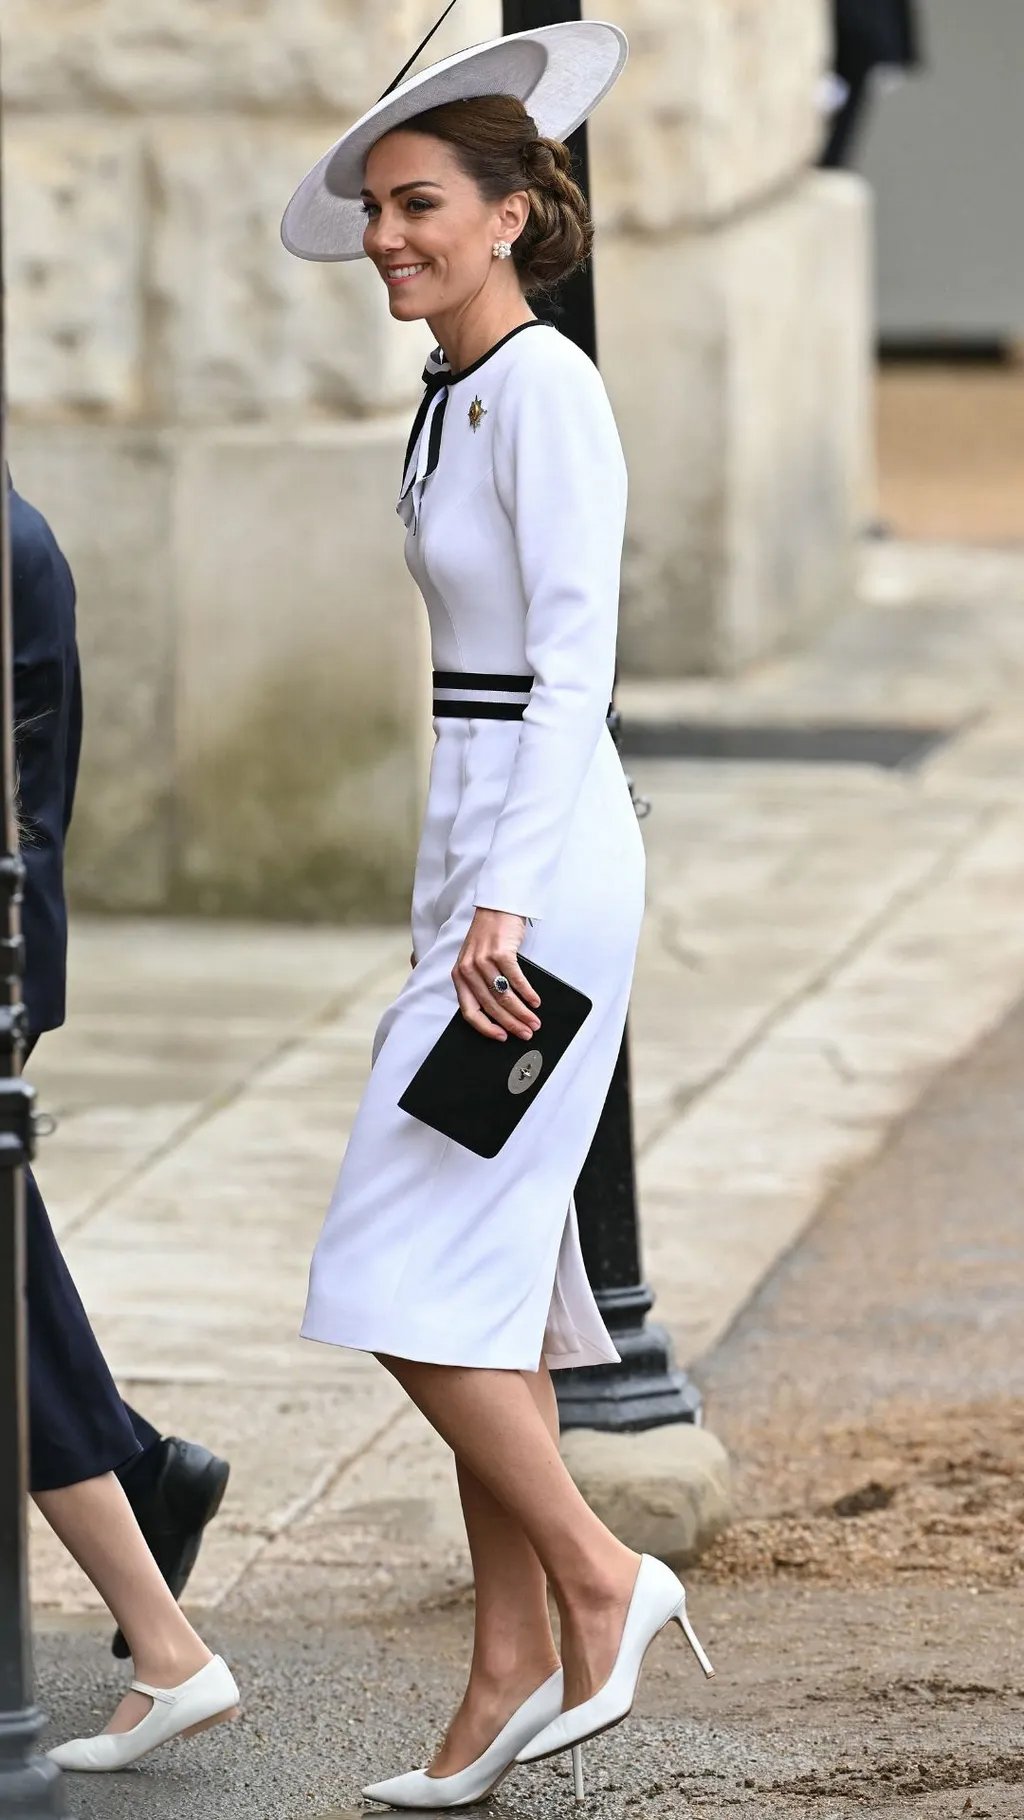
183	1486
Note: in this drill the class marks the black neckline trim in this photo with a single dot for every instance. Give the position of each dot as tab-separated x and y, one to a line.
535	323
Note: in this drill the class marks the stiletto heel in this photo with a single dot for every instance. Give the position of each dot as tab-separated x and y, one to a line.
658	1597
693	1640
577	1771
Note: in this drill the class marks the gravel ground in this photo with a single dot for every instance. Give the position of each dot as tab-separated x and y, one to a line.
864	1613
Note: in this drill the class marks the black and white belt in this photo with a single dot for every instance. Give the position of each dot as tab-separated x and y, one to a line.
480	695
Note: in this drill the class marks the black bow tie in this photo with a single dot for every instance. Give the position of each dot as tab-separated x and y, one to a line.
435	380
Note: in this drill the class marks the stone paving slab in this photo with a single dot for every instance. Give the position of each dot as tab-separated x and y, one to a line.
820	941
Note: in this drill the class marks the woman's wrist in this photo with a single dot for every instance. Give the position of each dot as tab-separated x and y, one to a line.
494	994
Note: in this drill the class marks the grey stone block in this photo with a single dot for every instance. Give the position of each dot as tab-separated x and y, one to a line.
665	1492
303	691
257	672
282	56
715	111
109	496
739	365
73	217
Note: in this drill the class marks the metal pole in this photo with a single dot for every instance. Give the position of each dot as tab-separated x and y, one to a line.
647	1389
29	1784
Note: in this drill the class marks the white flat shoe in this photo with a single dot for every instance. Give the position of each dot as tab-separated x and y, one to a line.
659	1598
478	1779
202	1700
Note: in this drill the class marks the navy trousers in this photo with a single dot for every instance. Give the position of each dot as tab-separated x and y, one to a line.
79	1426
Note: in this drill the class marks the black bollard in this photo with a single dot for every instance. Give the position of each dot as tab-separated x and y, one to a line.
29	1784
647	1389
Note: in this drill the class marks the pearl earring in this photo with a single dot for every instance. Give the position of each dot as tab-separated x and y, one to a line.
501	250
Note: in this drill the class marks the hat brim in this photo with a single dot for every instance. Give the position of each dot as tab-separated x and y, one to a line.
560	72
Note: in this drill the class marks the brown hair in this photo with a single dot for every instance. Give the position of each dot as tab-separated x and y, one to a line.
497	144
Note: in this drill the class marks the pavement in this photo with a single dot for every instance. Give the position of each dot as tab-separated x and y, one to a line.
864	1613
821	942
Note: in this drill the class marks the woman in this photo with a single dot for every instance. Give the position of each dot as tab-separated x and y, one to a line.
81	1433
464	1274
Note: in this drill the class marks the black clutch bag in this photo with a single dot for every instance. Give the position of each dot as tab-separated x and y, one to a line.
474	1089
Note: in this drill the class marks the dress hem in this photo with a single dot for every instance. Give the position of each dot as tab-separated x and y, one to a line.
342	1327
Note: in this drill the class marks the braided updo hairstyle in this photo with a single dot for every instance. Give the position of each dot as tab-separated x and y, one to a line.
498	146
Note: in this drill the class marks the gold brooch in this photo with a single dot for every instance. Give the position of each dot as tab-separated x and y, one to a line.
477	414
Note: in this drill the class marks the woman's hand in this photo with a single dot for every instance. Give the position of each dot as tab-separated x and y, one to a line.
492	948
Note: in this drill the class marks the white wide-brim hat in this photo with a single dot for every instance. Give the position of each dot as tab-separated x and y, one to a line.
560	72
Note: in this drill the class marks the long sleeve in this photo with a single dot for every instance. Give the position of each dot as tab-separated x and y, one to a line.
561	478
48	720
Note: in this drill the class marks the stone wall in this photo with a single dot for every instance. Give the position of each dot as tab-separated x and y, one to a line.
216	433
215	429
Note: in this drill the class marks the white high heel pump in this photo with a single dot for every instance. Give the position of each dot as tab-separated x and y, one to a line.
659	1598
481	1778
204	1699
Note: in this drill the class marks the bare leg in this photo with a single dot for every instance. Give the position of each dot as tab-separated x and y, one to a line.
94	1520
492	1423
513	1648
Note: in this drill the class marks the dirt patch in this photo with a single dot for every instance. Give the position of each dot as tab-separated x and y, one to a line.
935	1494
946	1770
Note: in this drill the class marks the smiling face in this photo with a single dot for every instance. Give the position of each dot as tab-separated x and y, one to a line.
429	231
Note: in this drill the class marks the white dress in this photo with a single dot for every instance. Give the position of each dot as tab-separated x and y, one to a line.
514	501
